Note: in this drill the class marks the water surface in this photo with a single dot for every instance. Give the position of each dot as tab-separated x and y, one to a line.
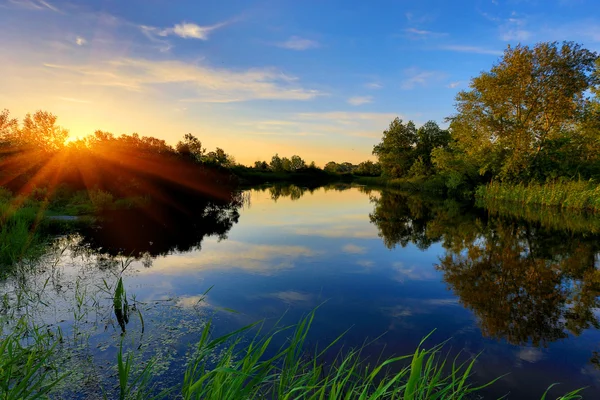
521	290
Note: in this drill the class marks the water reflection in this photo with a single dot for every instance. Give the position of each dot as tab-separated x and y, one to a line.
382	260
179	224
526	283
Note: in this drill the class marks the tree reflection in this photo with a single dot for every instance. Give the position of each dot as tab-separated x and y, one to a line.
526	282
160	228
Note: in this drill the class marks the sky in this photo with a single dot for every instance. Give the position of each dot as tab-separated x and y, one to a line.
317	78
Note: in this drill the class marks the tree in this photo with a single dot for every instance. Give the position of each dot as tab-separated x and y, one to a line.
191	147
396	152
429	137
276	164
297	163
530	98
331	167
40	131
261	165
8	126
286	164
220	158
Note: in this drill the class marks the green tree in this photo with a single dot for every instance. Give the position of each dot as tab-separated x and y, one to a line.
429	137
529	98
396	152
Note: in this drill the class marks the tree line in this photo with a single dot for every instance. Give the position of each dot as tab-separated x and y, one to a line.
534	116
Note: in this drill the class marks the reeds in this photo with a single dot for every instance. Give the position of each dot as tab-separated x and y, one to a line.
570	195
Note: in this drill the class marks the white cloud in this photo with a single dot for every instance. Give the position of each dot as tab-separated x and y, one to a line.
298	43
216	85
421	33
373	85
366	263
514	29
417	77
80	41
354	249
35	4
187	30
359	100
291	296
472	49
453	85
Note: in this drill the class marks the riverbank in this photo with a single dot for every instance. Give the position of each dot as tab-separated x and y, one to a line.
566	195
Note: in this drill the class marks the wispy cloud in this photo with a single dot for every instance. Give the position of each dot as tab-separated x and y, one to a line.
515	29
472	49
421	33
291	296
373	85
359	100
453	85
298	43
35	4
211	84
185	30
366	263
74	100
417	77
354	249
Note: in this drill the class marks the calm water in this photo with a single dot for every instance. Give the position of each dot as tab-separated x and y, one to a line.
521	290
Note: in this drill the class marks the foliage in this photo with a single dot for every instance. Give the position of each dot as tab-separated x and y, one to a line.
524	109
407	151
26	371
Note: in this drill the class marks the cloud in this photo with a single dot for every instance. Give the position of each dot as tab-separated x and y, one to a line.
298	43
530	355
187	30
421	33
413	273
472	49
80	41
354	249
230	256
35	5
74	100
217	85
373	85
417	77
453	85
291	296
358	100
365	263
514	29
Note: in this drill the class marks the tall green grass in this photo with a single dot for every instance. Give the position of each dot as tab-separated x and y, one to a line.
18	237
570	195
248	365
26	370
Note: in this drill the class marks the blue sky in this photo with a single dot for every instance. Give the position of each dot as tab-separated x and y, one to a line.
321	79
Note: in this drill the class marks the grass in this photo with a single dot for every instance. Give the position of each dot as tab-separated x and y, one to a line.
245	364
26	371
569	195
18	237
